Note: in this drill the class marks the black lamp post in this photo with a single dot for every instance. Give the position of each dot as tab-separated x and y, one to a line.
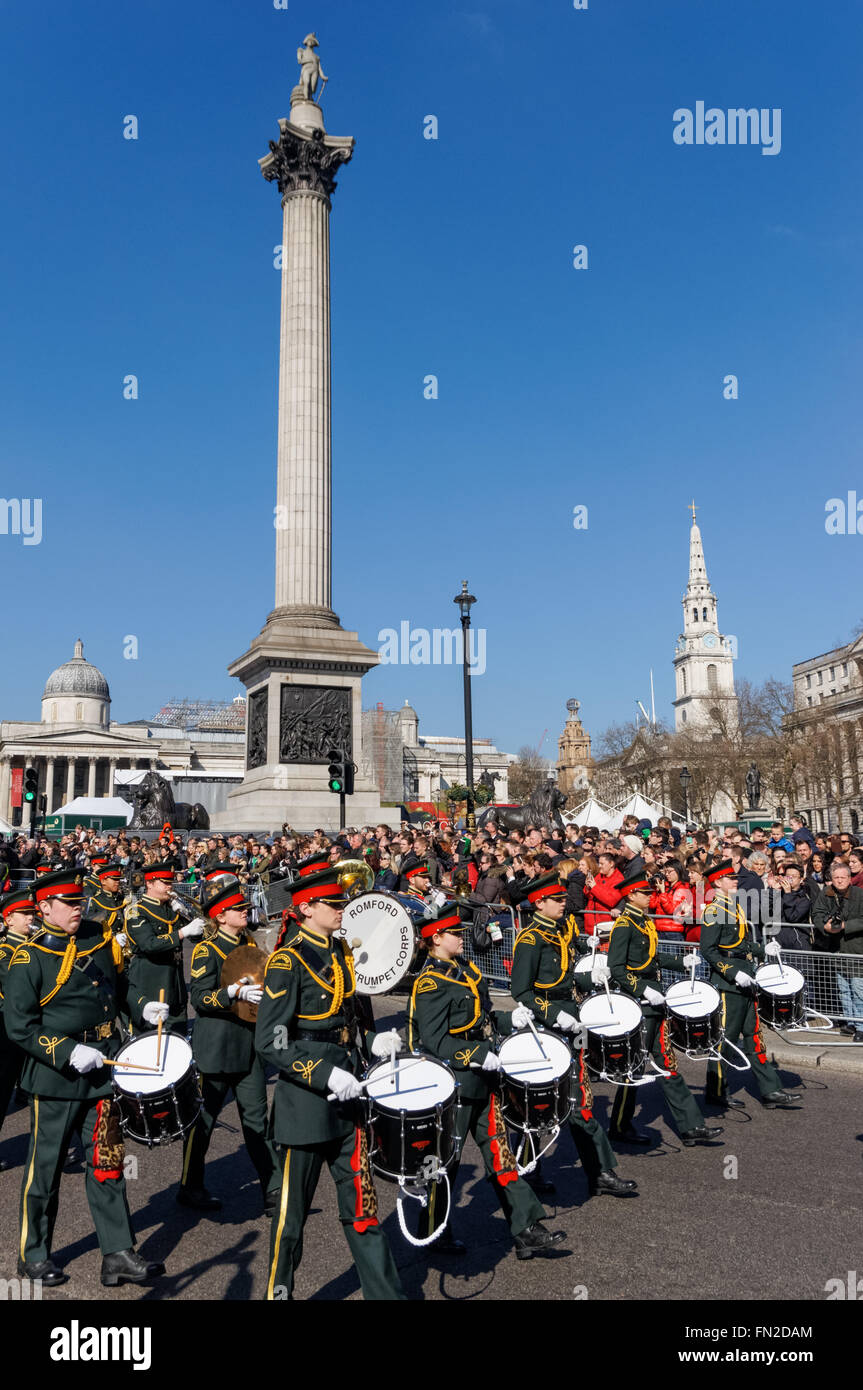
685	779
465	601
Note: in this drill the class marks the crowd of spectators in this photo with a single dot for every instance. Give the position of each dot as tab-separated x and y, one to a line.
808	886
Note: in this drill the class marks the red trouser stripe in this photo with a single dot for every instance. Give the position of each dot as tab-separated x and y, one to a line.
669	1065
361	1223
586	1112
101	1174
758	1038
496	1158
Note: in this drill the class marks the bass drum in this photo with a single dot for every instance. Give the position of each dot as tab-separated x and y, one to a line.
382	930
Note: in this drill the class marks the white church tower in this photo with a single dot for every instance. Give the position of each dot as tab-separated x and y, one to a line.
703	660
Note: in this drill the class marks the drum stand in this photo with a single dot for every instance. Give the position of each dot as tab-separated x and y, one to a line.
531	1135
434	1172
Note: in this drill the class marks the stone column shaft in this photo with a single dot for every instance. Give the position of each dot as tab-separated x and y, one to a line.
91	777
304	519
49	787
70	781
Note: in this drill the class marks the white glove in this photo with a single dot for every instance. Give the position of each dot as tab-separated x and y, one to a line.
120	938
691	958
653	996
85	1058
521	1016
152	1012
193	929
773	949
492	1062
566	1022
383	1043
178	905
599	971
250	994
743	980
343	1086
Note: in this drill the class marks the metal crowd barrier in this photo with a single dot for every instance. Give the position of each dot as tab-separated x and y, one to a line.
822	972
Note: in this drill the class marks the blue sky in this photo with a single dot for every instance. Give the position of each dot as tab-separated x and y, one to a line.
557	387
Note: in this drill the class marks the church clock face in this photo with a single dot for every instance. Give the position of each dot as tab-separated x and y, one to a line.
710	640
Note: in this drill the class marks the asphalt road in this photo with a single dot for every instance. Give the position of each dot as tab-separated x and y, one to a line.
776	1223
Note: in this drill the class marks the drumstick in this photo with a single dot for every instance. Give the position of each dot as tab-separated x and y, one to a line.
159	1032
134	1066
532	1028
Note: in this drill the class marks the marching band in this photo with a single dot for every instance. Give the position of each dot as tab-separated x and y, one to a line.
93	1028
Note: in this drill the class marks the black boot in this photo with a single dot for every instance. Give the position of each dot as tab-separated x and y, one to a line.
780	1100
44	1270
127	1267
703	1135
726	1103
629	1136
536	1240
613	1185
199	1198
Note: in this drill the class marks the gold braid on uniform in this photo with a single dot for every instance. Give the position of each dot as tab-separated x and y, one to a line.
64	972
116	949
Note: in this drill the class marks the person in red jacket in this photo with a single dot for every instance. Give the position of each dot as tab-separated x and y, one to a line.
671	904
602	895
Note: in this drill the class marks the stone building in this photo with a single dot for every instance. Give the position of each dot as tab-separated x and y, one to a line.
78	750
574	763
409	766
703	658
827	722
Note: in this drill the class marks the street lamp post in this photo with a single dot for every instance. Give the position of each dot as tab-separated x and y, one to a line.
465	602
685	779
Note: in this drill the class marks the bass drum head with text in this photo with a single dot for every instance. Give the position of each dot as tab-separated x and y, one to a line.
380	931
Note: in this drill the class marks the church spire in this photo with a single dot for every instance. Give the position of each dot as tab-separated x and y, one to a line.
698	581
703	660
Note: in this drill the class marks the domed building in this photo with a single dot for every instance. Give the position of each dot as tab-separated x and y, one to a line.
78	751
77	693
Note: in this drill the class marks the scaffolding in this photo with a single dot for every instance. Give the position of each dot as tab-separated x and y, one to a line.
382	746
229	715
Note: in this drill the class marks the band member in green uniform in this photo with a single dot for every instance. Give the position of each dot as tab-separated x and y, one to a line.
223	1044
545	979
18	912
731	953
60	1007
415	880
91	881
450	1016
635	965
307	1027
156	931
104	901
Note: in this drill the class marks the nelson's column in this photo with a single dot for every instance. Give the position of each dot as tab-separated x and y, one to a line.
303	672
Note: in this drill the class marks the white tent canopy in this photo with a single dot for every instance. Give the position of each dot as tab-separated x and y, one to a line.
7	829
97	806
594	813
644	809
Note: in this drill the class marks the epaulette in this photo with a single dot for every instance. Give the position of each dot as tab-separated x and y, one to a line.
526	938
280	960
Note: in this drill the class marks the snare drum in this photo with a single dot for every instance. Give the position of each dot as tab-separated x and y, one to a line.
411	1118
615	1036
694	1017
536	1088
381	930
157	1107
780	995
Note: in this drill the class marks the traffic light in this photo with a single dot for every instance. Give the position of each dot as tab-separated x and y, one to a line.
337	772
31	784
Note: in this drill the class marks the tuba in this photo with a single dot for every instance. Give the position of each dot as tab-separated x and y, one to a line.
355	876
